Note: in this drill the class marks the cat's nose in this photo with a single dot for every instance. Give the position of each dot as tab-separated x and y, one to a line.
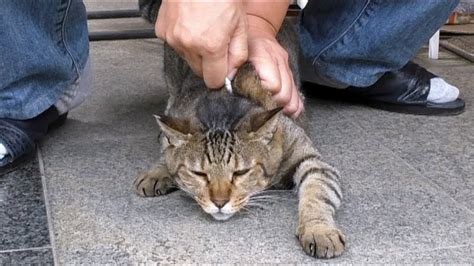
220	202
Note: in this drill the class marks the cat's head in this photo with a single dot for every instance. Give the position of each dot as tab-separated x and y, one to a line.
227	154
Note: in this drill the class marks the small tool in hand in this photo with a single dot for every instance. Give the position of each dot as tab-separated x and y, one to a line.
228	84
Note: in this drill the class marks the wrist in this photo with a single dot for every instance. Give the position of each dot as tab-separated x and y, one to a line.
266	15
257	24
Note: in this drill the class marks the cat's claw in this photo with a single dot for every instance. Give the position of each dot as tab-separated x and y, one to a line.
321	240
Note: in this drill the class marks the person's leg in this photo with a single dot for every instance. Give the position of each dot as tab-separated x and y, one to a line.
44	68
352	43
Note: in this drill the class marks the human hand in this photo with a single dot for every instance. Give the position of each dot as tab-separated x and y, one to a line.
211	36
271	63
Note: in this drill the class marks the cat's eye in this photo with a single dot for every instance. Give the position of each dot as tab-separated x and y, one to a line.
241	172
199	173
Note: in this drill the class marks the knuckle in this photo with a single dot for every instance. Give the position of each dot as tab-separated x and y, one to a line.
283	98
284	55
241	58
186	40
181	39
171	41
293	107
274	86
212	46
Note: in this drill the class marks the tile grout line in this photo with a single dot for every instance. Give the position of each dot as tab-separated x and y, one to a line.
422	176
24	249
433	184
46	203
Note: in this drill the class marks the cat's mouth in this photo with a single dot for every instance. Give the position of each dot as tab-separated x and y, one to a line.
221	216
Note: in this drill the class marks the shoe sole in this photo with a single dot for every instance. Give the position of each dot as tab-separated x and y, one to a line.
430	109
456	107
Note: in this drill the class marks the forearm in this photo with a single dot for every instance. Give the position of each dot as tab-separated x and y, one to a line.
266	15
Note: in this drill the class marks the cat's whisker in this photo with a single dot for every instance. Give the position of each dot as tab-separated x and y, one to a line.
249	212
276	199
263	200
269	192
254	204
269	198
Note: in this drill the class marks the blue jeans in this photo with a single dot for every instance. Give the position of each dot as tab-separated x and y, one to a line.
44	50
353	42
44	45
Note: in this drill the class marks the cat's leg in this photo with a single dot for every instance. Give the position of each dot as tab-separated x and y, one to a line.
155	182
319	197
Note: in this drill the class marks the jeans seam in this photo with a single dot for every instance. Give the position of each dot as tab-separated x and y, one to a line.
63	35
343	33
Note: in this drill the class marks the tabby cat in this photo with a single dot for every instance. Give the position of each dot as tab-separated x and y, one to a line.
224	148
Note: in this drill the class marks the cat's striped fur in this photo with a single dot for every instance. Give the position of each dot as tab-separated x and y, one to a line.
225	149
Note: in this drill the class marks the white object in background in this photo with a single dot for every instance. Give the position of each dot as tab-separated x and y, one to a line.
3	151
228	84
301	3
433	52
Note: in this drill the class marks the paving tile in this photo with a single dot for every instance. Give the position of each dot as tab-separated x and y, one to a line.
451	255
388	208
23	222
125	97
27	257
387	205
441	148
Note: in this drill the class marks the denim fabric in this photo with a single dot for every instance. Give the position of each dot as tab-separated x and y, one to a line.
354	42
44	45
43	49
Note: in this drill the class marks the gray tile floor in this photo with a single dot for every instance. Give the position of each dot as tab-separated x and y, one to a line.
23	221
407	180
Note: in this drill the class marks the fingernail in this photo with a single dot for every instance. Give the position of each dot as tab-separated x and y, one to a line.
232	74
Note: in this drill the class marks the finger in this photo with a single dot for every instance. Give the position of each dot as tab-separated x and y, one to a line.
287	89
296	97
293	104
238	48
300	110
293	107
194	61
267	69
214	69
300	107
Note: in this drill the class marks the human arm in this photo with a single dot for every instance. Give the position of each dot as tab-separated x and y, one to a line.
266	54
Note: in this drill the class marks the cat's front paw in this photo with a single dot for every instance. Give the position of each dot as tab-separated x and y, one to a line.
152	185
321	240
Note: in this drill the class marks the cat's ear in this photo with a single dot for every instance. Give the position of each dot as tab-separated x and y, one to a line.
264	124
177	131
